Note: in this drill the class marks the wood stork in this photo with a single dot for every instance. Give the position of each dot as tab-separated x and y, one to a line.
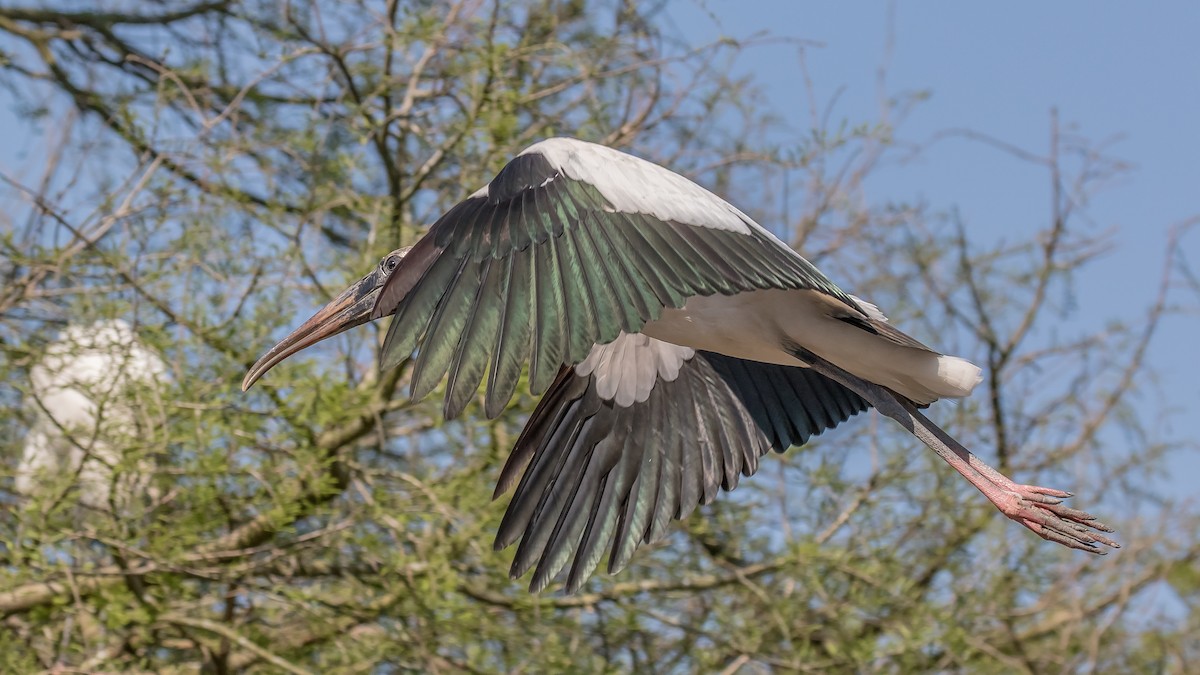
679	341
84	393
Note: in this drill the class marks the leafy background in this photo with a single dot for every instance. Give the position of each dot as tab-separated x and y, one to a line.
214	171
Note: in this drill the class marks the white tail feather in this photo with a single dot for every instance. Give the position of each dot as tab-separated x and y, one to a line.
959	375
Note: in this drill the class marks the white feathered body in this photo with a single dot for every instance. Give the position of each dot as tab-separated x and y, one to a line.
755	324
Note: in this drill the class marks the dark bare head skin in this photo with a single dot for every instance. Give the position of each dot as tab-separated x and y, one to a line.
353	307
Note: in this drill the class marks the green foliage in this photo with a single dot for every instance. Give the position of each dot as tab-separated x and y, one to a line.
224	168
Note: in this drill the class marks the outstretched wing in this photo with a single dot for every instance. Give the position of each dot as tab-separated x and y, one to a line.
570	244
640	433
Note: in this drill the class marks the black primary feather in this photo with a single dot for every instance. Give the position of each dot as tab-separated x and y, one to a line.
602	477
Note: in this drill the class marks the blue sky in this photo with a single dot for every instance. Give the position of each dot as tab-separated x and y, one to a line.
1122	72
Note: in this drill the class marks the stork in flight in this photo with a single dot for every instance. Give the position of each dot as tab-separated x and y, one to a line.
84	397
678	341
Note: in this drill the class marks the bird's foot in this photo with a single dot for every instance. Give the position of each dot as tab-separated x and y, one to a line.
1041	510
1038	508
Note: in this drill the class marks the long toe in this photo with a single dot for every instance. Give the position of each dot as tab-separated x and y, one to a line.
1049	492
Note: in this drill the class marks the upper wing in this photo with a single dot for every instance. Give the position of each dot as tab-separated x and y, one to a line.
570	244
640	433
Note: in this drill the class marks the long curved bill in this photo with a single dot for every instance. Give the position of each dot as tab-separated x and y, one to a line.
352	308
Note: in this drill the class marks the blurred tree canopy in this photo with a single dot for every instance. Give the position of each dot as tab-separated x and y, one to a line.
213	171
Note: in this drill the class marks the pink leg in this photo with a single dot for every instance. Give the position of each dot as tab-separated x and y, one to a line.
1037	508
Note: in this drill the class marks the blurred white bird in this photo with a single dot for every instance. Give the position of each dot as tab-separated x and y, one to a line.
89	392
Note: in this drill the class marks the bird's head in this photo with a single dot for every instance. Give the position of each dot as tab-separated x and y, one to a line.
351	308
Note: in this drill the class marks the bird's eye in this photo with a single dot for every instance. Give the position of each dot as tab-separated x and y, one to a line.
390	263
